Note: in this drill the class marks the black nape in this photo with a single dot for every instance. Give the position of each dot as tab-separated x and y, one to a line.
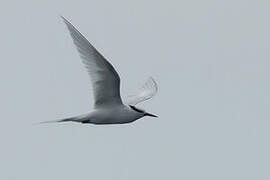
136	109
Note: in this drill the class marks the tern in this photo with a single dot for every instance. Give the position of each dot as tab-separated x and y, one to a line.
108	106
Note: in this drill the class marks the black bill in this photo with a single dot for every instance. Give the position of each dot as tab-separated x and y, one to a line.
148	114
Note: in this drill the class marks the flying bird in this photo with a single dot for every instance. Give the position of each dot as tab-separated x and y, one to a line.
108	105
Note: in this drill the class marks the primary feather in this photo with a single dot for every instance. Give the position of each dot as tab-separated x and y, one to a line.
105	80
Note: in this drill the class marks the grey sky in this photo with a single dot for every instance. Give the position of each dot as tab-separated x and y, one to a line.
210	59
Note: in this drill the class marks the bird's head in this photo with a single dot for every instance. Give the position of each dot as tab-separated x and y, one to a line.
143	112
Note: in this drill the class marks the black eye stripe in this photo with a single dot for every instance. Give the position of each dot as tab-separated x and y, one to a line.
135	109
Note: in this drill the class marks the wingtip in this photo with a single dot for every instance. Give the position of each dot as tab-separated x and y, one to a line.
65	20
154	82
68	24
151	78
62	17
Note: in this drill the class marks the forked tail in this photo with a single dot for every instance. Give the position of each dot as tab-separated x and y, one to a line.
73	119
81	119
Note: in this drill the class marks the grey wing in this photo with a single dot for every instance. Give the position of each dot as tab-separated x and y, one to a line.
147	91
105	80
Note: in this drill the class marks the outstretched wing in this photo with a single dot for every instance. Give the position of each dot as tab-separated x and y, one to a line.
105	80
147	91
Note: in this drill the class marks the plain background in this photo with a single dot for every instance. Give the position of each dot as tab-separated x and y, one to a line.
210	59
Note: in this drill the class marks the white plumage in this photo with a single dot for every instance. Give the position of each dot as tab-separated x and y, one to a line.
108	106
147	91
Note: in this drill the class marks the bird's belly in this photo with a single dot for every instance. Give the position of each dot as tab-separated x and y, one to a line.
114	117
112	120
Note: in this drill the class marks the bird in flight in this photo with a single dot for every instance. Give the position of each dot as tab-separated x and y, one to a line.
108	105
